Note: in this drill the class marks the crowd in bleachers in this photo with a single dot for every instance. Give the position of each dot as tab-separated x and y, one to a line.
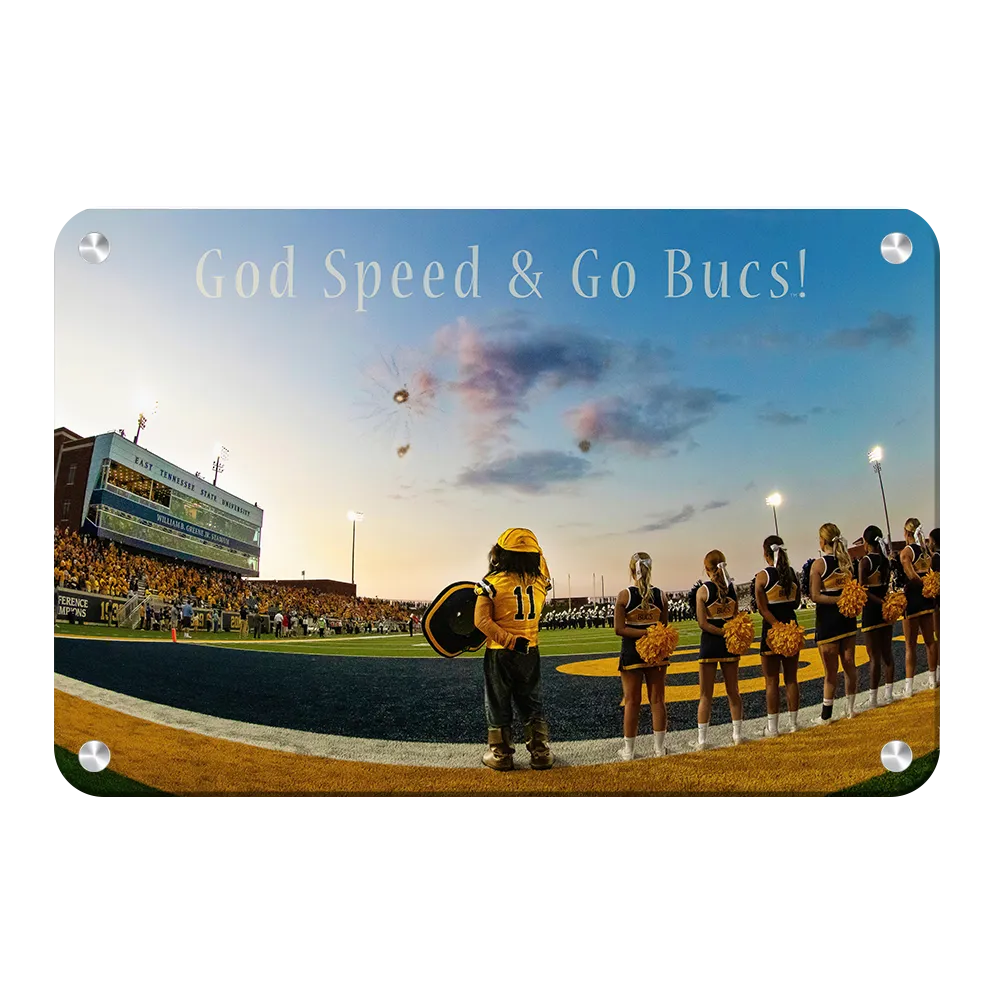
83	562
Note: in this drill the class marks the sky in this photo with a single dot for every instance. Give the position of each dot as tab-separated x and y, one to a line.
606	424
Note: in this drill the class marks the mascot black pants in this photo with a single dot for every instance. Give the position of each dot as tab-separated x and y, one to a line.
512	678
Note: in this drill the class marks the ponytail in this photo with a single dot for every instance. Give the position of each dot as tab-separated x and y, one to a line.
715	563
643	583
786	575
641	566
843	557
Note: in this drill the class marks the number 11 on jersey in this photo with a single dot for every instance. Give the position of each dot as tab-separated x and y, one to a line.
520	604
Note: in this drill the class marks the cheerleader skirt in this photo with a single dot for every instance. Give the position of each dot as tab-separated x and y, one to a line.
871	616
831	625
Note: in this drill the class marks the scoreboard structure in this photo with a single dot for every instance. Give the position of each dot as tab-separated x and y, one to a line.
135	498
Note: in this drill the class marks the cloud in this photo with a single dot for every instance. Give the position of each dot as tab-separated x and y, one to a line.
752	485
749	341
715	504
496	375
507	365
657	417
780	418
532	472
881	328
668	521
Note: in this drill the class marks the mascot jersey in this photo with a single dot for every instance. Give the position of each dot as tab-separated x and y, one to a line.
517	606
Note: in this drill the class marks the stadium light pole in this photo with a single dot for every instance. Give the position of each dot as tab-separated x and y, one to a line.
143	419
774	502
875	459
219	462
354	516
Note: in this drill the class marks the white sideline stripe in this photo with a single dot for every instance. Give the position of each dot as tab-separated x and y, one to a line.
370	751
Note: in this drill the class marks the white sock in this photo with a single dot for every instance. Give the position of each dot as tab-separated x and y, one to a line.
908	686
630	744
658	739
932	674
772	723
873	697
793	718
737	726
850	703
702	732
886	692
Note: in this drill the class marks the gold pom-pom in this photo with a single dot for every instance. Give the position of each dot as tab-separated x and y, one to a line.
853	599
658	643
786	638
894	606
932	583
738	633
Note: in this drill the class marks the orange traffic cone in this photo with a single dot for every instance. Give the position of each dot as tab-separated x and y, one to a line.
173	635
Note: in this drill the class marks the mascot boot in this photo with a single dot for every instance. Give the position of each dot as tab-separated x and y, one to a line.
537	736
500	754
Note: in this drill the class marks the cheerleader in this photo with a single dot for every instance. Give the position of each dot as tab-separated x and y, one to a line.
716	604
836	634
777	594
638	607
873	573
919	620
934	537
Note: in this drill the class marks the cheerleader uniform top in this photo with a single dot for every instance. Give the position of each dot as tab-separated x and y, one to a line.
719	609
916	603
877	582
780	602
640	618
831	625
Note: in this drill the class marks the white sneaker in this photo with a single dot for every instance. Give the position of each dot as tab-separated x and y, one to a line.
626	754
698	745
822	722
794	729
768	735
737	740
660	753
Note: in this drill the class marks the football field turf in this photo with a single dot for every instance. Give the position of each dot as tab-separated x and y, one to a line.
385	715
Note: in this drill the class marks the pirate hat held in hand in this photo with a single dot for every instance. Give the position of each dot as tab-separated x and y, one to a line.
449	623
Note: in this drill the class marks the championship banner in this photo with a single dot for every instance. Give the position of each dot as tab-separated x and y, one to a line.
76	606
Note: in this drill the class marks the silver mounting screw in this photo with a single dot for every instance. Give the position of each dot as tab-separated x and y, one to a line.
94	248
896	756
94	756
896	248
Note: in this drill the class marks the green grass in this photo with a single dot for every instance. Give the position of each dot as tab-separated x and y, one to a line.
553	642
897	784
104	782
